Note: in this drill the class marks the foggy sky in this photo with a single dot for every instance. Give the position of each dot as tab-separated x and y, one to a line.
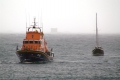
69	16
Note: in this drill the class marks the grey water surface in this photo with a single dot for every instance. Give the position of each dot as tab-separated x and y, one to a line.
73	58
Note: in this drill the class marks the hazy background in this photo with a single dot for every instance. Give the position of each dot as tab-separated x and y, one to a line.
73	16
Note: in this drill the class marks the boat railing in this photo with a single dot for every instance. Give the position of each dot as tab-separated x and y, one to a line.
34	28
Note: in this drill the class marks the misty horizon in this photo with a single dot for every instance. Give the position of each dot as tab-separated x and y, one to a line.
68	16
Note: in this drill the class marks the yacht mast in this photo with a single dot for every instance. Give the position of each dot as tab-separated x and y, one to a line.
97	42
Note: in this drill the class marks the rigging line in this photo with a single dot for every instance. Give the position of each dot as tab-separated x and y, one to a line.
41	20
26	20
38	18
25	15
42	24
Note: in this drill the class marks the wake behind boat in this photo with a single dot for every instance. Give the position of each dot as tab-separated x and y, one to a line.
34	48
98	51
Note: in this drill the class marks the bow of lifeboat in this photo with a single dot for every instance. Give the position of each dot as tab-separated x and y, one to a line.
34	48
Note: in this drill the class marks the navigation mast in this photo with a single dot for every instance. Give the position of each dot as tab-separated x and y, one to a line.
97	40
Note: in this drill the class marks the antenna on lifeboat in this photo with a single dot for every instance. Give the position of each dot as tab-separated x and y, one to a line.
26	16
26	20
41	21
34	23
38	19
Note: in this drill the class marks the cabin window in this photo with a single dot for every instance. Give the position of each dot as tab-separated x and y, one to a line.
25	42
37	42
31	41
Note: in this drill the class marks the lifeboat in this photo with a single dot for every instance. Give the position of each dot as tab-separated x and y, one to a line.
34	48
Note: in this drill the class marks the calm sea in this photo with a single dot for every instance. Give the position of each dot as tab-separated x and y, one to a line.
73	58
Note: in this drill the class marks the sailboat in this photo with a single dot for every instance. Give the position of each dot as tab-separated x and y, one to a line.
34	48
97	51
